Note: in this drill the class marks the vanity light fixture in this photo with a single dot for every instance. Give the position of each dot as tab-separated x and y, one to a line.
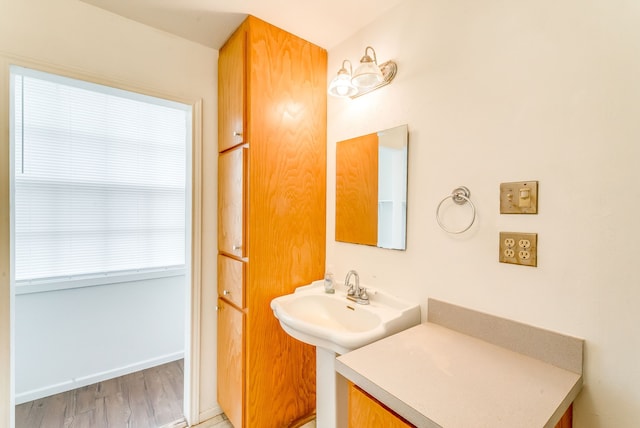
368	77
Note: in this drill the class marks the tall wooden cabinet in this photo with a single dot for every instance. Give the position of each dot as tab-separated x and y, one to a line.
271	218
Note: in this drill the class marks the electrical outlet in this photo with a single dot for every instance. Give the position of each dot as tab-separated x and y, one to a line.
519	248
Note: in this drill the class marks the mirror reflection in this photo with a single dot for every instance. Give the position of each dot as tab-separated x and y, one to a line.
371	189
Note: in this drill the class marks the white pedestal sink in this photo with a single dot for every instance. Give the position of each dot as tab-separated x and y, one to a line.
336	325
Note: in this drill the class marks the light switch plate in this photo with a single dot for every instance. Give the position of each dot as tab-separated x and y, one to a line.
519	248
519	197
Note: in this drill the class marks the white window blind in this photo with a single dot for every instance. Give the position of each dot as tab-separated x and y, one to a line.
99	179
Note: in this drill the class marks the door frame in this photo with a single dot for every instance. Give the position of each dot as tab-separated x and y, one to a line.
192	348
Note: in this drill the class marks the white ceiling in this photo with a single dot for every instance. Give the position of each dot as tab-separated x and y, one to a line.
210	22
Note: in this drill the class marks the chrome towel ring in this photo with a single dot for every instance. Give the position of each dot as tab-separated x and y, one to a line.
460	196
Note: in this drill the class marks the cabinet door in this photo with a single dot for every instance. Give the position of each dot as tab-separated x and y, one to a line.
232	167
231	273
231	91
365	411
231	362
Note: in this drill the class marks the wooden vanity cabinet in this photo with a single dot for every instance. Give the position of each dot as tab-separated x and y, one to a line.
271	218
567	418
366	411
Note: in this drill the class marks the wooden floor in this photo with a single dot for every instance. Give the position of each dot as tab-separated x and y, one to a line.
150	398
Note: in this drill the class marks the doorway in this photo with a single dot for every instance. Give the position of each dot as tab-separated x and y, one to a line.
86	305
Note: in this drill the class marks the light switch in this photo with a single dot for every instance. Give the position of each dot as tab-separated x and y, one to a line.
519	197
525	198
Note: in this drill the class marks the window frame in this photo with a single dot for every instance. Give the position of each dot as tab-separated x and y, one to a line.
99	278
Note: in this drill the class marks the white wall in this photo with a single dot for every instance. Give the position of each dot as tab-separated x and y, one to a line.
497	91
70	338
74	38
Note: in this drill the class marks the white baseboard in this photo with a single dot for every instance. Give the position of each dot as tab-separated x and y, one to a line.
209	414
45	391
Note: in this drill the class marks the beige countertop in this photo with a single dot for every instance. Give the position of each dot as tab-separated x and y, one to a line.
435	376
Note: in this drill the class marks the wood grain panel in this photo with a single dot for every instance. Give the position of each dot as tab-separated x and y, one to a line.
357	190
231	273
287	217
232	166
231	362
231	91
366	411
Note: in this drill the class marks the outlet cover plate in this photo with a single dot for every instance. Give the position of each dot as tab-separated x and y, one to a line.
519	197
519	248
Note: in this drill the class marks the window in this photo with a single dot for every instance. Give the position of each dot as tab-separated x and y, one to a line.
98	179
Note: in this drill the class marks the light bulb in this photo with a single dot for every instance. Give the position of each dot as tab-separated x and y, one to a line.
341	85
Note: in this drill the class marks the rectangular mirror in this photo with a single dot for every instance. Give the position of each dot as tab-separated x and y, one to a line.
371	189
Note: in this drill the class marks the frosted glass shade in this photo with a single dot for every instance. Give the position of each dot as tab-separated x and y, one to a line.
367	75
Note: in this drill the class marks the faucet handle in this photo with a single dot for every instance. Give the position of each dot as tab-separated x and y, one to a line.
363	294
352	290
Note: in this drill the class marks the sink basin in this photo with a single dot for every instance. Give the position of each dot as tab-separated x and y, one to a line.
333	322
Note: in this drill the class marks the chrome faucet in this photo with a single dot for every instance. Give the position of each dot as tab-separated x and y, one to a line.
355	293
